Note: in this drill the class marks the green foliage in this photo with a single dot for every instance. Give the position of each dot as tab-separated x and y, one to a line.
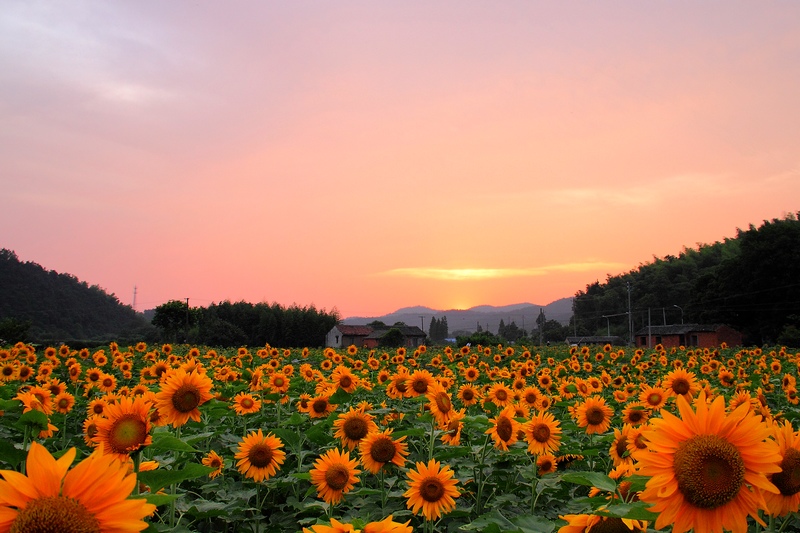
484	338
393	338
750	283
438	329
45	306
13	330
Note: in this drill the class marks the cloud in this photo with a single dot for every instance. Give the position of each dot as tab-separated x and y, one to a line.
478	274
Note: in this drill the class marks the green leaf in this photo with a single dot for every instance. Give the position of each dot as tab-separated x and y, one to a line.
340	396
164	441
295	420
10	454
533	524
33	420
288	436
633	511
158	479
591	479
320	434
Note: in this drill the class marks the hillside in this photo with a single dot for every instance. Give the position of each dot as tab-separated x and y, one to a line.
750	282
61	308
523	315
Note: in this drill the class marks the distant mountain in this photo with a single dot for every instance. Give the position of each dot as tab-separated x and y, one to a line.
523	315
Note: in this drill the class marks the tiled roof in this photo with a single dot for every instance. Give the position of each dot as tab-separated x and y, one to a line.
354	330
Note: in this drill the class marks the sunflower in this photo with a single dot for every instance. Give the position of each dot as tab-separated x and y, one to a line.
64	402
259	457
398	385
387	525
505	428
681	382
320	407
334	474
352	426
788	479
468	394
500	395
431	489
440	405
335	527
452	431
635	414
343	378
542	433
125	427
587	523
278	383
419	382
704	466
93	496
546	464
213	460
245	403
594	415
181	394
619	447
379	449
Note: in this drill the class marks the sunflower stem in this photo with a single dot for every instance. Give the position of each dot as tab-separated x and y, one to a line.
137	461
479	495
432	443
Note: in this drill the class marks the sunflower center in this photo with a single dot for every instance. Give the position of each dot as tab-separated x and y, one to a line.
260	455
788	481
279	382
382	450
468	395
654	398
319	405
420	386
186	399
680	386
247	403
622	446
443	403
531	397
431	489
709	470
611	525
355	428
127	434
635	416
401	386
541	433
504	429
337	477
501	395
345	382
55	514
595	416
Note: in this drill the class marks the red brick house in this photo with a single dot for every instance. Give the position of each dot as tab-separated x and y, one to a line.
342	336
699	335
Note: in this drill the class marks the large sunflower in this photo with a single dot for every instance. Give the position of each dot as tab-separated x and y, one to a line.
681	382
788	479
352	426
594	415
505	428
706	467
334	474
431	489
440	405
92	497
259	457
542	433
125	427
379	449
181	394
245	403
419	382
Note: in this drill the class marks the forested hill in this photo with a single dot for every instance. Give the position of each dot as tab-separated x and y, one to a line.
750	282
44	305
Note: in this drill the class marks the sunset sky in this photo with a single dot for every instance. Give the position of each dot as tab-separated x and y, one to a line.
367	156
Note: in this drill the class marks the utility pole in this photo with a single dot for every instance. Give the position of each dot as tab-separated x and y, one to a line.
134	298
187	320
630	316
422	322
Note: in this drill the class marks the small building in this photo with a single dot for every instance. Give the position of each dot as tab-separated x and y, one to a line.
587	340
342	336
413	336
697	335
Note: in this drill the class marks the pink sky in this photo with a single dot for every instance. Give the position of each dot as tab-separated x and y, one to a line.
371	155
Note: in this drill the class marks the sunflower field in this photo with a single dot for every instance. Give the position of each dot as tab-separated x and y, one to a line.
477	439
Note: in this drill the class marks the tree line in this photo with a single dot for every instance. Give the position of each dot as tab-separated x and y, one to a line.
750	282
228	324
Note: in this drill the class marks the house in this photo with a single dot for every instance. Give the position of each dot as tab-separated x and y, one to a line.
613	340
700	335
342	336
